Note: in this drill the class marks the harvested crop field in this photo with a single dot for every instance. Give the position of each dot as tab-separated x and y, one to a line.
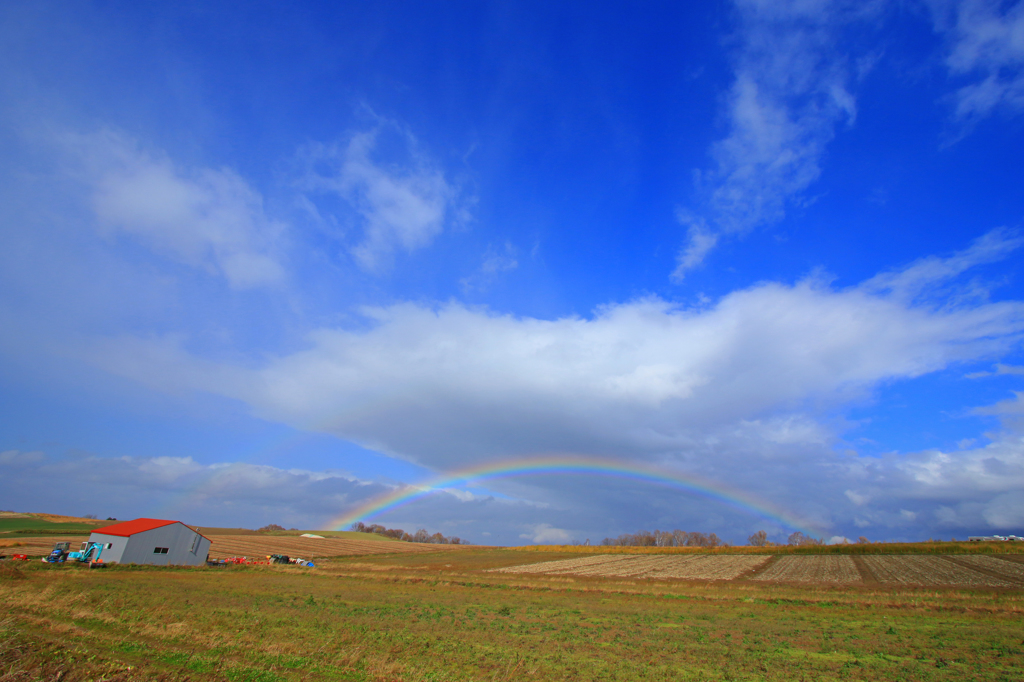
966	571
256	546
445	615
1011	570
689	567
812	569
931	570
40	546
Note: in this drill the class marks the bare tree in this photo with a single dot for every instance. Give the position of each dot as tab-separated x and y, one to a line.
758	539
272	526
799	539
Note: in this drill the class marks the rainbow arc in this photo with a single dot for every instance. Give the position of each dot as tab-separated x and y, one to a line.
575	465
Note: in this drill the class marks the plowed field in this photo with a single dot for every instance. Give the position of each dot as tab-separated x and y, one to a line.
929	570
566	565
1011	570
255	546
692	567
812	569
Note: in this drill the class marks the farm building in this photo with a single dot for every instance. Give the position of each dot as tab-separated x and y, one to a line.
152	541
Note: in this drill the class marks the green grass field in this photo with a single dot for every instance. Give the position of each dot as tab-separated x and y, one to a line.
441	616
15	527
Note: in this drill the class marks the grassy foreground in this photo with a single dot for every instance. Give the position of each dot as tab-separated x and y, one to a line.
441	616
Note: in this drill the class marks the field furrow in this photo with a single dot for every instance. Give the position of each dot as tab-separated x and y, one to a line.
717	567
637	567
928	570
1011	570
565	564
692	567
812	569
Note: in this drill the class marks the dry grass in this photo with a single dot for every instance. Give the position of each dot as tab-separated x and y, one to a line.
446	616
261	546
41	546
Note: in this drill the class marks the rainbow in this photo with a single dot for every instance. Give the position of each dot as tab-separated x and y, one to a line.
568	464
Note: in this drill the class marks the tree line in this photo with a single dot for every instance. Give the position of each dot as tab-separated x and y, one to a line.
797	539
659	538
682	538
422	535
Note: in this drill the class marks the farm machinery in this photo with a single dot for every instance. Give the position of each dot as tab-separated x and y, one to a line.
59	554
88	554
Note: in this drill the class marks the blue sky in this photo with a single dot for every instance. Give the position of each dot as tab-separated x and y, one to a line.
262	264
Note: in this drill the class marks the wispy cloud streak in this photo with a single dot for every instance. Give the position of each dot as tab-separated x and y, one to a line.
397	198
203	217
986	47
789	94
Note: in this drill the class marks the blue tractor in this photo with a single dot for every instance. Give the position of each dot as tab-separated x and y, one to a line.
58	554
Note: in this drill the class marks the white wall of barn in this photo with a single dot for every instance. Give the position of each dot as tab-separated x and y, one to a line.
111	555
184	547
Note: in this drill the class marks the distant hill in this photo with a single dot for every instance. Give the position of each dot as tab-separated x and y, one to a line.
21	524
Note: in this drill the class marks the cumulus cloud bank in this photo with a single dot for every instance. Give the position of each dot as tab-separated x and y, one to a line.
730	390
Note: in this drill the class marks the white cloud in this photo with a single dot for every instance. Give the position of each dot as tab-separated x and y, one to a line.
986	45
207	218
857	498
229	493
495	263
977	488
17	458
546	534
789	94
923	276
1006	511
701	241
737	391
240	495
1000	370
399	200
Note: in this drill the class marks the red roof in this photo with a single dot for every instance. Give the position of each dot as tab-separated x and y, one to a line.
129	528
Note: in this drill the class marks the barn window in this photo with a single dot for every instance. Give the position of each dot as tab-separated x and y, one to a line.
109	545
159	550
195	543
